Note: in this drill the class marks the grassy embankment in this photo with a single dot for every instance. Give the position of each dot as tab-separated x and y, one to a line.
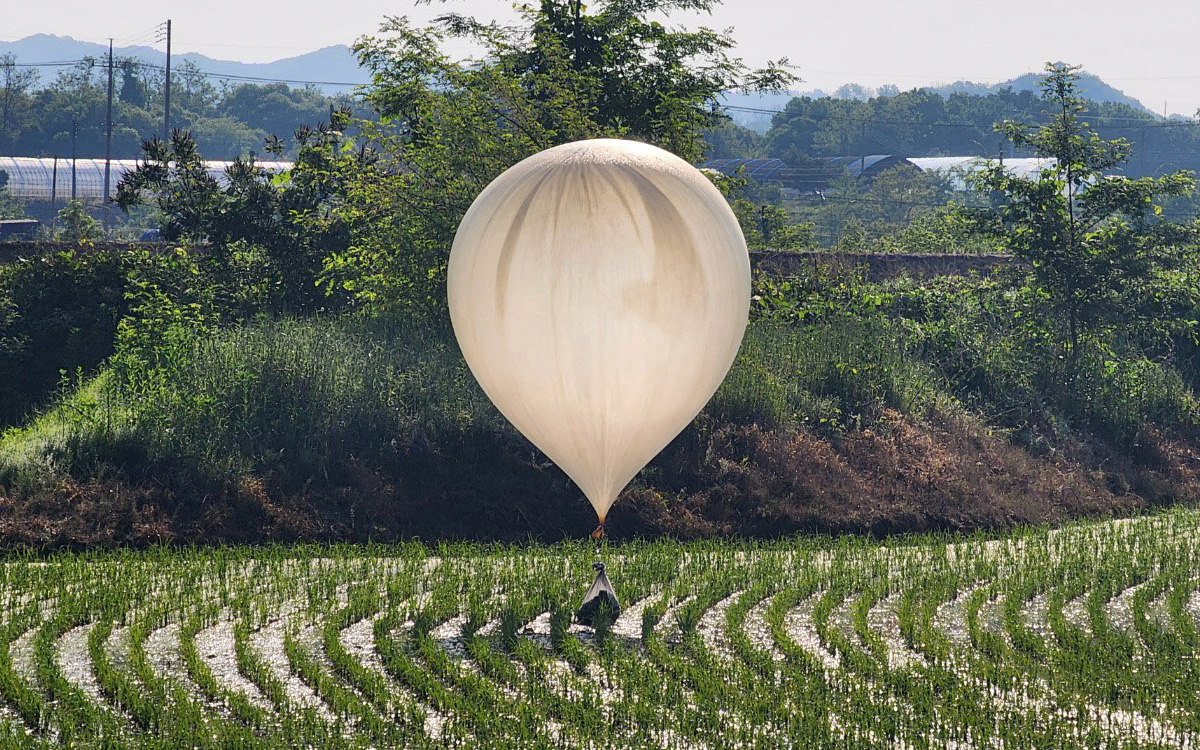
852	407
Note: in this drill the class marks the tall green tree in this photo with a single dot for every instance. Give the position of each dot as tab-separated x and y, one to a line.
569	71
15	109
1094	240
132	90
11	207
921	122
274	108
253	228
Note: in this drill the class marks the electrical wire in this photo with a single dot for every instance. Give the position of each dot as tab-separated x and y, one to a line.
148	34
1135	123
196	71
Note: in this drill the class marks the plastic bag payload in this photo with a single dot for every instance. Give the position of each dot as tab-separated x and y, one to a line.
599	601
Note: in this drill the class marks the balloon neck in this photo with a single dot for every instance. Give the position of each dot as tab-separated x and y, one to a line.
597	535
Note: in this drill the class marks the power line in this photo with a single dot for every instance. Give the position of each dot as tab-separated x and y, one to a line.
232	77
51	64
148	34
195	44
193	71
1135	122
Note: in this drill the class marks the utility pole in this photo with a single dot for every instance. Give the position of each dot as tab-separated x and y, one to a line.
108	132
74	137
54	194
167	89
1141	151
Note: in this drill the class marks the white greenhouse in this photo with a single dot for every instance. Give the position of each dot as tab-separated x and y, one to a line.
957	168
60	179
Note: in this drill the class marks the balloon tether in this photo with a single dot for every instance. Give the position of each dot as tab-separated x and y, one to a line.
597	536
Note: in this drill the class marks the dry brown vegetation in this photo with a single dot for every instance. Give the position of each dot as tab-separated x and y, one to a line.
896	477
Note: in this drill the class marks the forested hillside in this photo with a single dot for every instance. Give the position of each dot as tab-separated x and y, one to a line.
67	115
923	122
45	113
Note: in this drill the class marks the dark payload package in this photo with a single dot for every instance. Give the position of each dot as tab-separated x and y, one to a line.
600	600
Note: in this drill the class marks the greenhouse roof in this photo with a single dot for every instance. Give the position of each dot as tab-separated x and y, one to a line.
807	178
960	166
43	179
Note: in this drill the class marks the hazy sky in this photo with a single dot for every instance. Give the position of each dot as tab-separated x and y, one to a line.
1148	49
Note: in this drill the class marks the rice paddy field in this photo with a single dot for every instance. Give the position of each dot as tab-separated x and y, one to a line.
1081	637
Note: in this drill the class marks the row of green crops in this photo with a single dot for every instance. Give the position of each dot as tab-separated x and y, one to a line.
1085	636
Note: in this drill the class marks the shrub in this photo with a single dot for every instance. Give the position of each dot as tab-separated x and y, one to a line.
832	375
77	225
993	341
58	315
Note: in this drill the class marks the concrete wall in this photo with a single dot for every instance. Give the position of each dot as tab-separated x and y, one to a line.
882	266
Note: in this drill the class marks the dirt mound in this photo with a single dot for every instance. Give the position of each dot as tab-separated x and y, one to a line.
895	477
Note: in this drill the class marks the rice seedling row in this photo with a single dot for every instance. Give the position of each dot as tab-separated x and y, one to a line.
1085	636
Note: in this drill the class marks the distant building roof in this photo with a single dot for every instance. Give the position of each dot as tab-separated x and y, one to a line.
806	179
761	170
958	167
809	179
865	166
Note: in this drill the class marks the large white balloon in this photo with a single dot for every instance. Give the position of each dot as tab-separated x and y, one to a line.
599	291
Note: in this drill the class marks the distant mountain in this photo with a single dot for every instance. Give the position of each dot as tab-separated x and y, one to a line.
754	110
334	68
1090	86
